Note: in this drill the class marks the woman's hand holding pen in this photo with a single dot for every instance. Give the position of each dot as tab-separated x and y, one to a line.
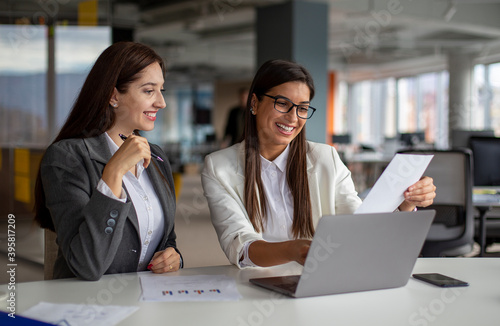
132	151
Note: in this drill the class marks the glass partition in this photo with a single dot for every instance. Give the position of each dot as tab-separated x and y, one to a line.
23	68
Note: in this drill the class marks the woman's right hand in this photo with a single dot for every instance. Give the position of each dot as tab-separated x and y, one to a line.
298	250
132	151
266	254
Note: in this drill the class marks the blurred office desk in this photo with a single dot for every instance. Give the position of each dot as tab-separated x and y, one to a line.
484	199
417	303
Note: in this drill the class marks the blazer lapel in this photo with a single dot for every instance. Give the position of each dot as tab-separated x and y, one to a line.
314	191
98	148
160	186
240	172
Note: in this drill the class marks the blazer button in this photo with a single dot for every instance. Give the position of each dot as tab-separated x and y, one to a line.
111	222
113	213
108	230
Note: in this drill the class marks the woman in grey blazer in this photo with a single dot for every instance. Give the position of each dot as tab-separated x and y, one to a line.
267	193
106	192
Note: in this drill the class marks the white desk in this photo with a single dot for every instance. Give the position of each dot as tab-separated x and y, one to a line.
415	304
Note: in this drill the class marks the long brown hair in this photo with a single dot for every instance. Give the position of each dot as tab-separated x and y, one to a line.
118	66
273	73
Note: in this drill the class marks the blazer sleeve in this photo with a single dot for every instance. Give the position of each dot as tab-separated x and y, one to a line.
89	225
227	211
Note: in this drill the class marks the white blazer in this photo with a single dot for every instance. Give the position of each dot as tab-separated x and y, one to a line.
330	185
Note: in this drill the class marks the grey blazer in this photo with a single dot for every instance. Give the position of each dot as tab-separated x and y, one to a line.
96	234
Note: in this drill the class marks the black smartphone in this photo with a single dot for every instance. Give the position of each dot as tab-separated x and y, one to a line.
440	280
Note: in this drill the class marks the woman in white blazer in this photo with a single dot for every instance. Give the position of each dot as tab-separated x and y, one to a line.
267	193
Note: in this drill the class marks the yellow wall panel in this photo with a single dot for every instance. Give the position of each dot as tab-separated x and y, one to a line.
22	189
87	13
22	161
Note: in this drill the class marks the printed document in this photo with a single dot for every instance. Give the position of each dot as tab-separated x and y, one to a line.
388	192
79	314
188	288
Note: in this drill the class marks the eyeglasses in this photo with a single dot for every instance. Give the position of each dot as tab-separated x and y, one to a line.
284	105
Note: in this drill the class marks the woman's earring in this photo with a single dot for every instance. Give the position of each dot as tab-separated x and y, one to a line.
252	111
115	105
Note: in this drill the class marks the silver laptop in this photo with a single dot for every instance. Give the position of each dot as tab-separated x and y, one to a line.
361	252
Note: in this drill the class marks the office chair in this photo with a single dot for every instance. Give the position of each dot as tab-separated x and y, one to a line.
461	137
452	232
486	158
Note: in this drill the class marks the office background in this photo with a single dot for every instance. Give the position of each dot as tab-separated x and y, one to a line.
382	68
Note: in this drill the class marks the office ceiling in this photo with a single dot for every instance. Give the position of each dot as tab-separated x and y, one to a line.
207	39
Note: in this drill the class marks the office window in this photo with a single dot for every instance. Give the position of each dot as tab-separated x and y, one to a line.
442	111
377	110
361	112
23	66
76	50
494	81
390	130
407	105
432	87
340	114
481	99
485	103
372	114
23	74
422	106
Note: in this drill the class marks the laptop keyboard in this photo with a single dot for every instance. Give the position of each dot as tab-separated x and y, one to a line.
289	283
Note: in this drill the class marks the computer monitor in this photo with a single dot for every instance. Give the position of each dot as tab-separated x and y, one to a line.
486	158
412	138
341	139
460	137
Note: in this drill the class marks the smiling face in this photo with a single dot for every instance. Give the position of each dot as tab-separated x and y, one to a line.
137	107
276	130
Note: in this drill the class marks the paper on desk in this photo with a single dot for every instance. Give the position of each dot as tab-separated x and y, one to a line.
188	288
79	314
388	192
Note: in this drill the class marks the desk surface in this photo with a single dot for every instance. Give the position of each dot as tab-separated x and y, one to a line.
415	304
486	196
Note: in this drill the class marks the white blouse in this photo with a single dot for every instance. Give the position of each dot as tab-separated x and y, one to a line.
279	219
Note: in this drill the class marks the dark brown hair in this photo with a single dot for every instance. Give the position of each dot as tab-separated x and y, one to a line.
273	73
118	66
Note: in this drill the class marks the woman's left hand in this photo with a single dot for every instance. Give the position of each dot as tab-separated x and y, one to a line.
420	194
165	261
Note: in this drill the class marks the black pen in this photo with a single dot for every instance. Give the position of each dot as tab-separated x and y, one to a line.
123	137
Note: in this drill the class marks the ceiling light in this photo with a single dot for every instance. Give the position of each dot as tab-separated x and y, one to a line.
450	12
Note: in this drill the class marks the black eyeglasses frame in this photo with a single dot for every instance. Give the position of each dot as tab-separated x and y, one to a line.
276	98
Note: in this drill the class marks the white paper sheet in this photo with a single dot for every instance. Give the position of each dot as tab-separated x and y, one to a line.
388	192
188	288
79	314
